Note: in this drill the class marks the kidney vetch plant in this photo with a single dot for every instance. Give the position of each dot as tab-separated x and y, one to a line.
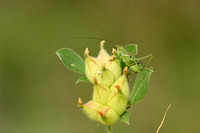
109	76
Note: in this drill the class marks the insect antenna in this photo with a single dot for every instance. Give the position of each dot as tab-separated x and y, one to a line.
93	38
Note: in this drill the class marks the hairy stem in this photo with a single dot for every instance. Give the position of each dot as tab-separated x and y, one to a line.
109	129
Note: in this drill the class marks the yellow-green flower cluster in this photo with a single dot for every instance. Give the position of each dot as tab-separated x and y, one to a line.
111	90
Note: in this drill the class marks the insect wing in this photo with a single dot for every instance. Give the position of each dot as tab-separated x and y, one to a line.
121	51
132	48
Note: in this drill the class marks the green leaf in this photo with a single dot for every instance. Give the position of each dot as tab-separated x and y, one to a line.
141	85
82	79
132	48
125	117
71	60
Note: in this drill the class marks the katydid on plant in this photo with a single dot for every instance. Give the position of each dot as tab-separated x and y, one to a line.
108	74
128	55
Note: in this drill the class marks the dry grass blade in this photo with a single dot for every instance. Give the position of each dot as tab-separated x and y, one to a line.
163	119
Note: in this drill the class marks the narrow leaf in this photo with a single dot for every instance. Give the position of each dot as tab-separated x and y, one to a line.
82	79
132	48
125	117
71	60
141	85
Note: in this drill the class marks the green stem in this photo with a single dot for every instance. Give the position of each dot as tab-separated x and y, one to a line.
109	129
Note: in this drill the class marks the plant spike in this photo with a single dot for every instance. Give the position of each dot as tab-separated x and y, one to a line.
108	75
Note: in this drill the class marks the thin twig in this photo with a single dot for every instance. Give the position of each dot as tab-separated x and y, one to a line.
163	119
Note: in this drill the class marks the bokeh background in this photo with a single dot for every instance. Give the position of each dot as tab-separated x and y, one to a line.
39	95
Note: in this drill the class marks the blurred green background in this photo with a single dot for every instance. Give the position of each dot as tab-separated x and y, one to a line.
39	95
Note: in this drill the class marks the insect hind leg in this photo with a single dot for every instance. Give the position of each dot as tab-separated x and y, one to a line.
149	61
151	57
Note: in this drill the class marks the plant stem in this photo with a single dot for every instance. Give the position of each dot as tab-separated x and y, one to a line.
109	129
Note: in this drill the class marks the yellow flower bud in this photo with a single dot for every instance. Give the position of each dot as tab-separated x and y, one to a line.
105	77
107	116
111	64
117	101
90	109
114	66
111	89
92	66
122	82
100	93
103	55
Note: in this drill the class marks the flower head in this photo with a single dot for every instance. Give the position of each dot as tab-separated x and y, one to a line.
111	90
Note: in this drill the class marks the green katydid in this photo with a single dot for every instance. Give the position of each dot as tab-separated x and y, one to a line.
128	55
